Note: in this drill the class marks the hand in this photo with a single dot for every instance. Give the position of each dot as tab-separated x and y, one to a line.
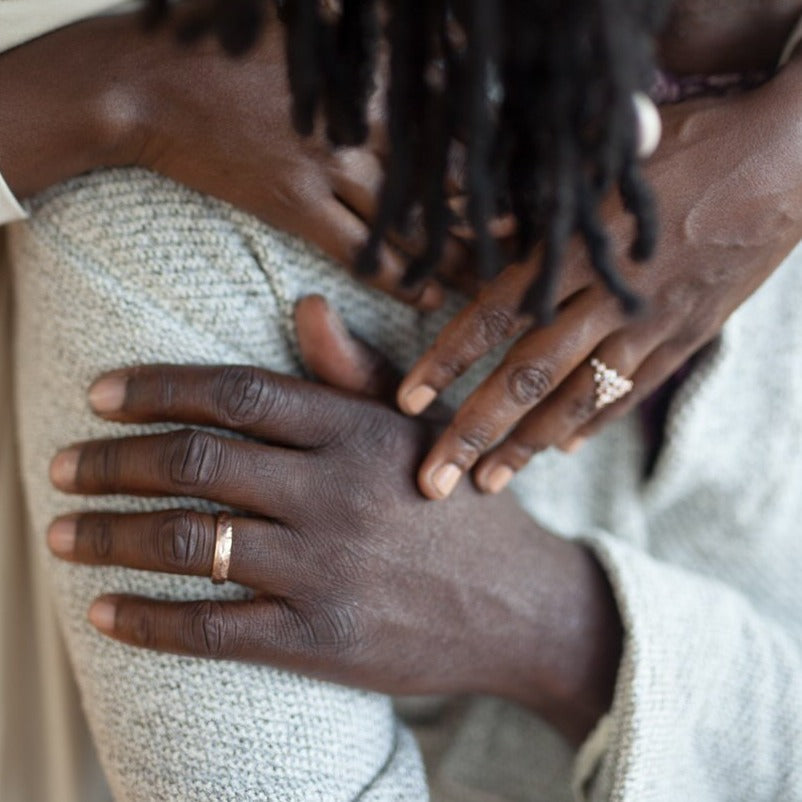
103	93
728	219
357	579
223	126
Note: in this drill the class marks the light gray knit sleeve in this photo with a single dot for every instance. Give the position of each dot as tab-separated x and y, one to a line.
121	268
708	704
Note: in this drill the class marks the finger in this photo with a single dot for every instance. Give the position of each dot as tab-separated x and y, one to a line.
557	419
179	542
491	319
659	367
536	365
482	325
192	462
342	235
281	409
238	630
264	630
337	357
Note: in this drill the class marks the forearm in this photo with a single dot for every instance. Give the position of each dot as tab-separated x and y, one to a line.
66	107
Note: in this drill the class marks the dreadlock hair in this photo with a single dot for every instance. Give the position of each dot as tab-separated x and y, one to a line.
539	91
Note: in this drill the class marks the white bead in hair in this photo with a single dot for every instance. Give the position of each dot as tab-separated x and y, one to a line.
650	128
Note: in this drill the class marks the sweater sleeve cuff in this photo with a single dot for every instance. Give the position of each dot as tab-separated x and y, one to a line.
10	209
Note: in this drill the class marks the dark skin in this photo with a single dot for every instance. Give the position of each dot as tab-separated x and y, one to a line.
729	185
102	93
89	117
356	577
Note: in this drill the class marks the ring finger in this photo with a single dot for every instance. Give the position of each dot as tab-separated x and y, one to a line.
575	404
178	542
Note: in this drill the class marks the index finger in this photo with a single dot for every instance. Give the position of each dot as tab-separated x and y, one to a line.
280	409
490	320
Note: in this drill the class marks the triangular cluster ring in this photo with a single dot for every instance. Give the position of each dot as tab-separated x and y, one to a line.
610	384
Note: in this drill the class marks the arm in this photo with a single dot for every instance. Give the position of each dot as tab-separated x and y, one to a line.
372	602
698	657
102	93
343	586
728	177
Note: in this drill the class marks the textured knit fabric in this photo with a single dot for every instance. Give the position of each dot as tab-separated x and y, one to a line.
705	559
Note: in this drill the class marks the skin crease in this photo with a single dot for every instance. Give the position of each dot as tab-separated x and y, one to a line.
728	178
365	599
107	94
75	123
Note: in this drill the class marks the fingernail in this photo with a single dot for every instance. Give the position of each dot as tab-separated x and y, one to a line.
108	394
445	479
102	615
574	444
64	468
417	399
498	478
61	536
431	298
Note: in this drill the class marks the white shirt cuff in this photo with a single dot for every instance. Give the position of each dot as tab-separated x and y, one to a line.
10	209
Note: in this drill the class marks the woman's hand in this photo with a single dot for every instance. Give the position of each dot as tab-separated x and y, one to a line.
223	126
729	187
357	579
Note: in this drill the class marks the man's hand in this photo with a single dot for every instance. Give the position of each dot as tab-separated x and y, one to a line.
357	578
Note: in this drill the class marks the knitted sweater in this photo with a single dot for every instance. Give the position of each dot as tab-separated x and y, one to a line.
125	267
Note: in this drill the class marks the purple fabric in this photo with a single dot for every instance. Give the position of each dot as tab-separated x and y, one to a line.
670	88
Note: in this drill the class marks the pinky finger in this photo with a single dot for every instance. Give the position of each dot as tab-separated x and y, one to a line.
211	629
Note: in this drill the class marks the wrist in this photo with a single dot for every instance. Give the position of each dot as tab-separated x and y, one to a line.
558	639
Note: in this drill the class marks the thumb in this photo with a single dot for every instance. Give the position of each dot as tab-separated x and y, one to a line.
338	358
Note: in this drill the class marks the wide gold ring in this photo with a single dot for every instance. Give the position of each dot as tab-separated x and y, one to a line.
223	536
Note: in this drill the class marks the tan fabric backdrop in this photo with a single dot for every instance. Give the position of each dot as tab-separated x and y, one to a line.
45	752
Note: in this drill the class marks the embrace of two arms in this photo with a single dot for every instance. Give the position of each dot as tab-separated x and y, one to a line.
708	264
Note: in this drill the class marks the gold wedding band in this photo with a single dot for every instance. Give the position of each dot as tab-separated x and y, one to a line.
223	536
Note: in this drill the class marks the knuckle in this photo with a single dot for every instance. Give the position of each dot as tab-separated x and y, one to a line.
194	458
99	538
241	395
449	365
377	432
180	540
210	633
335	629
518	452
165	389
494	323
102	465
474	441
527	385
141	627
581	408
